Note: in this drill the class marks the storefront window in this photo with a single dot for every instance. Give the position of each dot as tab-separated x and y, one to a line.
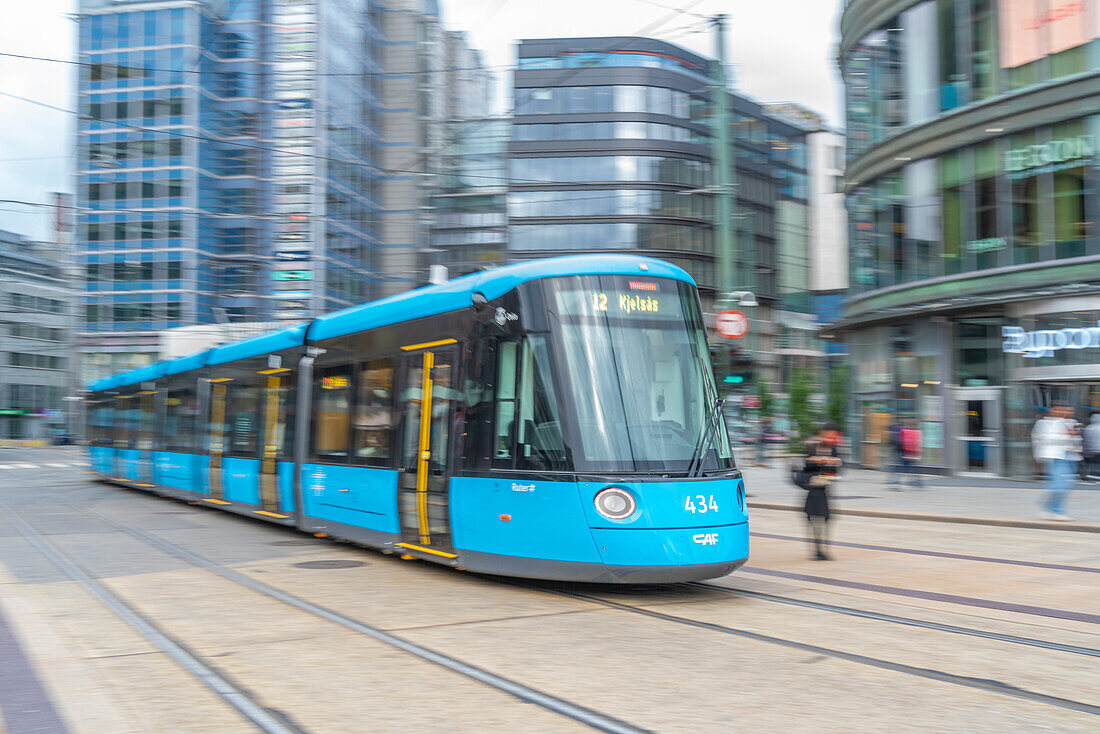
1026	232
954	87
920	67
983	55
987	244
951	184
978	356
922	218
1071	225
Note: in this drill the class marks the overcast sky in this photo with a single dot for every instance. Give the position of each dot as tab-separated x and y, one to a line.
780	50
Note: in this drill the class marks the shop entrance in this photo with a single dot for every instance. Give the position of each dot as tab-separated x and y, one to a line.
978	439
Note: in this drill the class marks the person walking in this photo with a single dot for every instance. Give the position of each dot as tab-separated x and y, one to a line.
911	453
893	437
762	442
822	462
1091	446
1056	448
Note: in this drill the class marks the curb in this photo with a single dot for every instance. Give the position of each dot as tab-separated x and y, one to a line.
1007	522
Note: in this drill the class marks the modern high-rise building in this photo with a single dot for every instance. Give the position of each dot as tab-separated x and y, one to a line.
612	149
972	183
433	80
239	160
35	332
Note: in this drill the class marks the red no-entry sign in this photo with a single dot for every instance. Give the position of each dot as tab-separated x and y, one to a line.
731	324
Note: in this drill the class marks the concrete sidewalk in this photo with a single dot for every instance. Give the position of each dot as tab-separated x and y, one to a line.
947	499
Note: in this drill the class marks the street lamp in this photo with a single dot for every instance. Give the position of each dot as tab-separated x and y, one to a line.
744	298
740	298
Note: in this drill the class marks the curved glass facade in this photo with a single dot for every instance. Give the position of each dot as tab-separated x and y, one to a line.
973	195
941	55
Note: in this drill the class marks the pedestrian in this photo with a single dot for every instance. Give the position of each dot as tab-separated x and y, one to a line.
911	453
1057	448
897	467
1091	445
762	442
818	472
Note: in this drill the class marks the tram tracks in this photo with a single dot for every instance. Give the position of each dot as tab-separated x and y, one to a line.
605	723
905	621
234	693
983	684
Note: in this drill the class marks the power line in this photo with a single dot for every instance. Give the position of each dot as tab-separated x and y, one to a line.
313	156
200	72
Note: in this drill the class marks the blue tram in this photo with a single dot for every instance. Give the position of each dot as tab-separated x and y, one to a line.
552	419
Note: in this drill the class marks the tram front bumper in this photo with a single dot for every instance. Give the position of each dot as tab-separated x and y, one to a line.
623	548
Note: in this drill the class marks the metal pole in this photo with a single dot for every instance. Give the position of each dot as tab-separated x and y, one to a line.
725	175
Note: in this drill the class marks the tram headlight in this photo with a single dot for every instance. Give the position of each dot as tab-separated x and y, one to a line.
615	503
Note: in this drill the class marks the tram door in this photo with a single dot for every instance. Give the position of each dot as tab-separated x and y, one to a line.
216	428
427	400
274	423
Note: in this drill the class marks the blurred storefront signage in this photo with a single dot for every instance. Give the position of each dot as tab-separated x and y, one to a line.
295	104
991	244
1046	157
14	411
292	275
1032	29
292	255
1045	342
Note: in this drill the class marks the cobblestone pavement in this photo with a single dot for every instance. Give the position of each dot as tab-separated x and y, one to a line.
913	626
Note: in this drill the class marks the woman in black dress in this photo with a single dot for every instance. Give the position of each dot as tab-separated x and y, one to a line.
818	472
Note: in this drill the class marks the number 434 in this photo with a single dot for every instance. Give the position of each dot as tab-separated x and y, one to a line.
699	503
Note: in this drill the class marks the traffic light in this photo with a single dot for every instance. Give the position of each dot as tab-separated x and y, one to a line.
740	368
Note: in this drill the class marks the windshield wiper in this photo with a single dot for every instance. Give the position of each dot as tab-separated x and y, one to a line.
704	440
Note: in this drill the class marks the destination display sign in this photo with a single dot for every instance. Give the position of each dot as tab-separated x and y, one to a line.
620	298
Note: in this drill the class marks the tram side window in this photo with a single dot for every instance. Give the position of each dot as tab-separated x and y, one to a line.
504	427
374	413
102	424
539	436
122	424
242	422
478	391
528	430
180	418
145	417
332	413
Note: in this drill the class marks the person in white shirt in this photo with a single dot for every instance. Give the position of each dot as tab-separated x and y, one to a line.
1056	445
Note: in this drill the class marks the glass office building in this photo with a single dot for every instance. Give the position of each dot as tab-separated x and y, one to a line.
972	193
611	150
225	156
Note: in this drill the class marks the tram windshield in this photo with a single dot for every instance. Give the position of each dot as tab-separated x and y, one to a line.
636	374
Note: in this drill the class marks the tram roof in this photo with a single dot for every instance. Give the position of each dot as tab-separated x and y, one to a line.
273	341
458	293
453	295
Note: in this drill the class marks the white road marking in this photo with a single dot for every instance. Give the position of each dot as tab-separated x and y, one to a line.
25	466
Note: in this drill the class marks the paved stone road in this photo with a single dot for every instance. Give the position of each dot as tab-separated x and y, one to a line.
882	638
